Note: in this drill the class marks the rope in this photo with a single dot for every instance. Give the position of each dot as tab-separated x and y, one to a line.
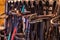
13	34
9	36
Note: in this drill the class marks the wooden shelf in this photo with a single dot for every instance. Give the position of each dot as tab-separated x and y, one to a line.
2	28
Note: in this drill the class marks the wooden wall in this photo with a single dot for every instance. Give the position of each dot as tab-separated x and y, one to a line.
2	7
